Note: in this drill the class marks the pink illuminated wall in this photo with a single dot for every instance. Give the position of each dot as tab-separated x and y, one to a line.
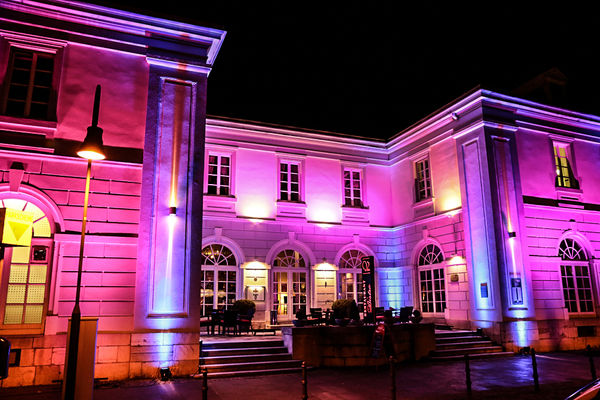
123	111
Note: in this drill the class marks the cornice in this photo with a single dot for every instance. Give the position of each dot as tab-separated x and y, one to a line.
111	28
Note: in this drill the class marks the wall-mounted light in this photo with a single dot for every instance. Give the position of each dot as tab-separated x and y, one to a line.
455	116
172	210
512	234
165	374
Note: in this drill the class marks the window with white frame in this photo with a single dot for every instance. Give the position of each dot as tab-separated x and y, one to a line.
422	180
563	163
24	278
432	283
353	191
350	279
219	278
289	181
289	283
28	87
219	175
575	277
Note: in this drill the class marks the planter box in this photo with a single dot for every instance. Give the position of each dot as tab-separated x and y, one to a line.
351	346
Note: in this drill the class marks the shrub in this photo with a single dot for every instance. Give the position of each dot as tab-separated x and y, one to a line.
341	308
244	307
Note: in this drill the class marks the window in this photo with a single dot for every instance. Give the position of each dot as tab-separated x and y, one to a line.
219	175
28	87
565	178
24	279
289	283
289	181
422	180
219	278
431	279
350	282
575	276
352	188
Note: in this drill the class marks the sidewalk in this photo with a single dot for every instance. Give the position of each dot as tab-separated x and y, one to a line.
503	378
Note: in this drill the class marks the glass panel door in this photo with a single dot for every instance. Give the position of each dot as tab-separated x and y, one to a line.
289	293
224	282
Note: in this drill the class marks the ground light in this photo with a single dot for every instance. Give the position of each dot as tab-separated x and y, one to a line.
91	149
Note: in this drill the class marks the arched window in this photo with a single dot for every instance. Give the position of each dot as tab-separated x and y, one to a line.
350	280
217	254
432	282
289	283
575	277
219	278
24	288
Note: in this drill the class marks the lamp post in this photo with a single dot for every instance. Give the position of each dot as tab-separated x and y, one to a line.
91	149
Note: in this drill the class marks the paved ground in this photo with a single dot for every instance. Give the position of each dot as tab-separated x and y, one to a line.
505	378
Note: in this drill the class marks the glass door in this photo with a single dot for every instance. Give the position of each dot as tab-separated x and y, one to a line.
289	285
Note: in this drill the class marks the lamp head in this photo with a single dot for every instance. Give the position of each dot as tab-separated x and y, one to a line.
92	147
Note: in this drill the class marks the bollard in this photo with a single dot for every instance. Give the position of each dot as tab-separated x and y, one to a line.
591	359
204	384
468	374
304	383
536	382
393	379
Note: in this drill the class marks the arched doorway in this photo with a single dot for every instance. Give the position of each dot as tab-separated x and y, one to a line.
350	279
289	282
219	274
575	277
432	282
26	274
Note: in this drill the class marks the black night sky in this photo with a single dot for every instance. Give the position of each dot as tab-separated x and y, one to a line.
374	68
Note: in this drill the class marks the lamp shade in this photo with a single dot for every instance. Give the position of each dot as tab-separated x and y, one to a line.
92	147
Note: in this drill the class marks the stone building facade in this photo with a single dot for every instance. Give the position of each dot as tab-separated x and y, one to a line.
484	214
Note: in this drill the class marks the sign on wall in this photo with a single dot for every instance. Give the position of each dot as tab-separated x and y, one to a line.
368	275
16	227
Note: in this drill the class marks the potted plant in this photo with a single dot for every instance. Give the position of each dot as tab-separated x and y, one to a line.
341	311
300	318
244	307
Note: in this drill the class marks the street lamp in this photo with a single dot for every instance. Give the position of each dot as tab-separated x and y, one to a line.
90	149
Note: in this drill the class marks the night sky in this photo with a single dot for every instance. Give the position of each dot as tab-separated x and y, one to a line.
374	68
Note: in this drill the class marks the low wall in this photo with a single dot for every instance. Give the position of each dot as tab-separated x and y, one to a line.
351	346
119	356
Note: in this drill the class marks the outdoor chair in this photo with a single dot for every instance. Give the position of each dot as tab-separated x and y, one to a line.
230	321
244	322
316	316
405	313
215	320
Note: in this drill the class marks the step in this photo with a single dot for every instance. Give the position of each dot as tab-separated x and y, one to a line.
260	365
243	351
460	345
472	356
444	334
231	374
454	339
467	350
245	358
207	345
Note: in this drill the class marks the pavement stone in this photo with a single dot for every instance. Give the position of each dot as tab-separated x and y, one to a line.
501	378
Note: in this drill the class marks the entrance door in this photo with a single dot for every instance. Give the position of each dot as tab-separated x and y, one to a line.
350	282
219	278
289	284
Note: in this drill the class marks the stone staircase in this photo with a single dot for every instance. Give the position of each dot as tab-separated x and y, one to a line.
454	344
246	357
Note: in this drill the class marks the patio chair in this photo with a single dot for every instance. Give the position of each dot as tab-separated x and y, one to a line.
215	320
230	320
405	313
316	316
244	322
